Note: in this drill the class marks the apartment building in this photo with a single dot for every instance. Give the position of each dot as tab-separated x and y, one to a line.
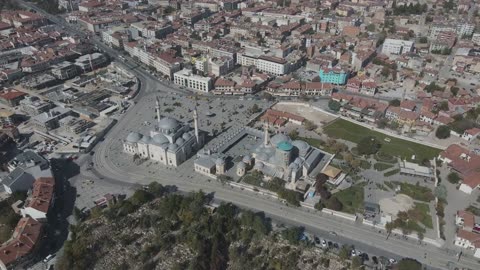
397	46
186	78
337	76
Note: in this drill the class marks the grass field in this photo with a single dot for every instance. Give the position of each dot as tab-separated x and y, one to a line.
416	192
352	198
382	166
346	130
390	173
425	218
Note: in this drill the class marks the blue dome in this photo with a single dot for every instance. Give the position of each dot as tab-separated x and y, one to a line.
285	146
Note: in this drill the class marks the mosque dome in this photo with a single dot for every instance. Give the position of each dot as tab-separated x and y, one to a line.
134	137
172	147
285	146
278	138
247	159
301	145
186	136
180	141
262	156
168	123
160	139
146	139
241	165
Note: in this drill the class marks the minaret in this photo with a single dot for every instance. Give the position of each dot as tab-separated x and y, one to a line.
195	123
266	133
158	109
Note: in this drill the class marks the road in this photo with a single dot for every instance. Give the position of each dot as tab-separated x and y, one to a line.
185	180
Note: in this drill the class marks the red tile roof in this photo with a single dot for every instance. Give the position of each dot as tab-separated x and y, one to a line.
472	237
42	194
468	218
10	94
25	237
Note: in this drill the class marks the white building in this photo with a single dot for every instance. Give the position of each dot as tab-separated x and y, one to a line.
468	240
186	78
170	143
437	29
397	46
465	29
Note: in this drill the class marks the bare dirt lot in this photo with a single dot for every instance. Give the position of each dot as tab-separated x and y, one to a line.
317	117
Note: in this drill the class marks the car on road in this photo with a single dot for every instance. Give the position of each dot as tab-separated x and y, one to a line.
316	240
332	233
324	243
48	258
392	261
353	253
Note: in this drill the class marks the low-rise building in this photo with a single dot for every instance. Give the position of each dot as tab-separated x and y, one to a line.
337	76
397	46
65	70
11	97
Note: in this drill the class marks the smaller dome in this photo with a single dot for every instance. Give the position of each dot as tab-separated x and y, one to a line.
241	165
146	139
220	161
186	136
301	145
278	138
180	141
247	159
134	137
159	139
168	123
172	147
258	165
262	156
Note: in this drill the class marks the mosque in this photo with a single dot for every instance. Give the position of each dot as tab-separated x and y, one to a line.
278	156
281	157
170	143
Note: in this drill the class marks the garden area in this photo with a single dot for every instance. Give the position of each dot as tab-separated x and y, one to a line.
276	185
416	192
346	130
351	198
413	220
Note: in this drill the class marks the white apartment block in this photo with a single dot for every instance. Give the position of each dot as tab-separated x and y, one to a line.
186	78
272	65
397	46
476	38
465	29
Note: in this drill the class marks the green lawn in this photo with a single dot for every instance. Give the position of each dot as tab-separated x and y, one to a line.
349	131
352	198
392	172
425	218
365	164
382	166
417	192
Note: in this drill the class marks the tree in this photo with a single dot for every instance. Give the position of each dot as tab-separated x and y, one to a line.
268	96
254	109
169	10
334	105
389	226
453	178
371	27
356	263
394	103
334	204
423	40
293	134
443	132
293	235
345	252
443	106
368	145
441	192
382	123
408	264
309	125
